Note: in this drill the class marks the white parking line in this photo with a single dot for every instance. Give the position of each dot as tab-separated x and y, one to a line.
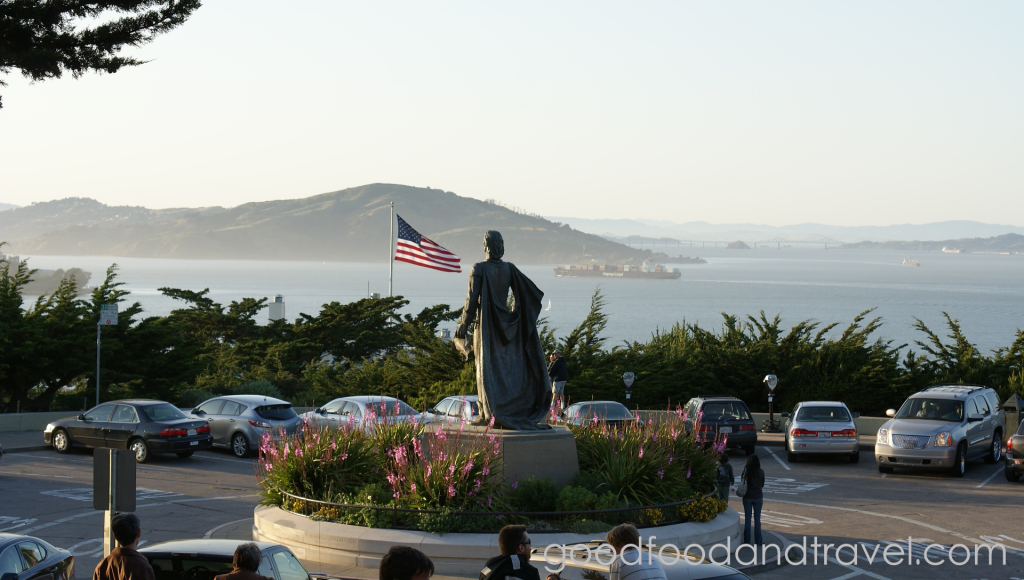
998	471
781	462
223	459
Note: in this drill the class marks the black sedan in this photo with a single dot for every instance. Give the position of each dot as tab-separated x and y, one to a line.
28	558
609	411
144	426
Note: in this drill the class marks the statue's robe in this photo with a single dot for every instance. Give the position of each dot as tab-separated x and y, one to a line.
511	374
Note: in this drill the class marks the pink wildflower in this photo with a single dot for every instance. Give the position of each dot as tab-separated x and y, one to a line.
661	474
688	473
641	452
515	484
451	491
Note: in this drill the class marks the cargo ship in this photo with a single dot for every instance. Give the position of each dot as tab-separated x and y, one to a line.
647	270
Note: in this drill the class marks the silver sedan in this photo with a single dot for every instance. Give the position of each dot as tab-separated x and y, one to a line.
825	427
365	410
239	421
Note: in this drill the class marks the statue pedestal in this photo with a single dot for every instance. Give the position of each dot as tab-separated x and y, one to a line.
549	453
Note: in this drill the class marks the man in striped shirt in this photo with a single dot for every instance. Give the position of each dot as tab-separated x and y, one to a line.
630	563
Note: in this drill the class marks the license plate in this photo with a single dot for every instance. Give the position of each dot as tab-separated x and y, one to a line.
194	443
824	434
726	429
191	431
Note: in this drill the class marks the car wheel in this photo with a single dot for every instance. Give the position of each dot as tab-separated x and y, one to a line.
792	457
61	441
749	450
885	469
239	445
184	454
960	461
996	453
1011	475
141	450
855	458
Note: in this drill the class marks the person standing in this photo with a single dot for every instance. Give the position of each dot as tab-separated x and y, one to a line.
245	563
514	561
124	562
558	372
405	563
725	477
753	500
629	562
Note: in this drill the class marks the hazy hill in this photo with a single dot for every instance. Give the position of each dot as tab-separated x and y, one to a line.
48	216
7	206
346	225
619	229
1008	243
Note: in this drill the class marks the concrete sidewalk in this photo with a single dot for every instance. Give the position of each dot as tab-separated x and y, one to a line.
22	441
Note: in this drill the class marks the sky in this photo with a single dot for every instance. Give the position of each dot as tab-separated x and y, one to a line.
843	113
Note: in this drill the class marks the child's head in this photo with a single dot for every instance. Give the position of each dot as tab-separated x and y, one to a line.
723	458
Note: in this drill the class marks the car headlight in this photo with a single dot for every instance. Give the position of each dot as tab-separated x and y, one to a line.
49	428
883	436
944	439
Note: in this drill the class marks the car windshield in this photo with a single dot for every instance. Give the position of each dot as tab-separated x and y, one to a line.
823	414
200	568
725	411
163	412
276	412
390	407
612	411
932	409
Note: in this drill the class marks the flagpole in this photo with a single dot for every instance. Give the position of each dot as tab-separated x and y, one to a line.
391	252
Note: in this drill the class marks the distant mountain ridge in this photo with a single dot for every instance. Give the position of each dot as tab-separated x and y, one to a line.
1004	244
7	206
620	229
346	225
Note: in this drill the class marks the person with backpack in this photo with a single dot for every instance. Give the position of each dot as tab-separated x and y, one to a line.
751	489
514	561
725	477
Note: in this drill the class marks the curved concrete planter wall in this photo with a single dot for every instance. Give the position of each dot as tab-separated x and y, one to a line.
452	554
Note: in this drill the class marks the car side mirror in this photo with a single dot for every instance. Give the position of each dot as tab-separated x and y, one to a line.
9	576
198	412
856	415
784	414
975	417
890	412
81	417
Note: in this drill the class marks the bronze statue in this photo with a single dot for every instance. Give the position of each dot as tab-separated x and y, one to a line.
511	375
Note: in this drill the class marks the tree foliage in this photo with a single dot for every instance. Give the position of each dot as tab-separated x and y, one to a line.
46	38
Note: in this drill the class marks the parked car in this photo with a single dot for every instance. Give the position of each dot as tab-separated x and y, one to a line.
455	408
205	559
365	410
1015	455
610	411
144	426
28	558
942	427
723	414
581	564
238	422
824	427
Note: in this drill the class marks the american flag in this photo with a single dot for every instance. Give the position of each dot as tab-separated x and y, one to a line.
417	249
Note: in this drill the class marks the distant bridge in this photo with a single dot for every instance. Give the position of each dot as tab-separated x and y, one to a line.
655	243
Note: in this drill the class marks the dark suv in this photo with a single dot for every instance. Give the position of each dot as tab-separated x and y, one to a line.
722	414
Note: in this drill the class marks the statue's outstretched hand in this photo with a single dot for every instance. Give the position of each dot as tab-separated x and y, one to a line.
460	331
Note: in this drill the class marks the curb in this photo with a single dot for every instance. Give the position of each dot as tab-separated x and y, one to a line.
26	449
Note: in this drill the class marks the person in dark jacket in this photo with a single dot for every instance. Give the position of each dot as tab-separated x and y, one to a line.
558	372
124	563
245	563
754	499
725	477
514	561
405	563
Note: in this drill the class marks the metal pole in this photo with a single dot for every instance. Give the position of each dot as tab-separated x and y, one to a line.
98	335
109	543
391	253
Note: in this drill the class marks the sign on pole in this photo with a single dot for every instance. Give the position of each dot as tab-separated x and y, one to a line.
108	314
113	488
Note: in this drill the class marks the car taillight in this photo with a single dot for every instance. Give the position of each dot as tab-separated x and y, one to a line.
749	427
173	432
1009	446
203	429
803	433
707	427
259	424
845	433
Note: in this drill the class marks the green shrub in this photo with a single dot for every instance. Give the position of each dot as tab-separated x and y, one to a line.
265	388
535	495
191	399
576	499
589	527
589	480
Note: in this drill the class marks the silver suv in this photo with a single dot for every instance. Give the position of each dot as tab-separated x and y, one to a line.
942	427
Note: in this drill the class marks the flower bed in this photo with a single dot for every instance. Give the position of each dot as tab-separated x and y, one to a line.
415	476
